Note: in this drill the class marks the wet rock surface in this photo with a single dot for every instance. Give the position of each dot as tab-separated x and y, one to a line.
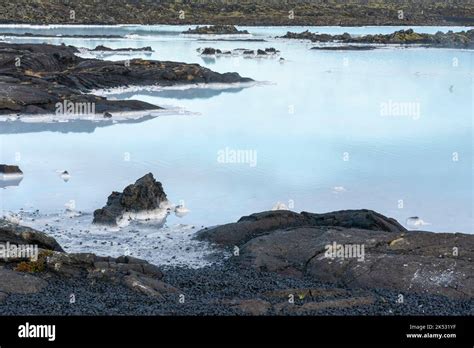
450	39
145	194
34	78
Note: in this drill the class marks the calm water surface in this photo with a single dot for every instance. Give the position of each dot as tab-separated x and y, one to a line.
318	126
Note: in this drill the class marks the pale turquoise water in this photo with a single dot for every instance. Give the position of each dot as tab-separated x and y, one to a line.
317	106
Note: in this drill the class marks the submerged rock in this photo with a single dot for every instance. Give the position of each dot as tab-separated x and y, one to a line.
146	194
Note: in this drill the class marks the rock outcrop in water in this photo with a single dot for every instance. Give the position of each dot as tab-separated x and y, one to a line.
6	169
36	78
146	194
365	248
216	30
463	39
103	48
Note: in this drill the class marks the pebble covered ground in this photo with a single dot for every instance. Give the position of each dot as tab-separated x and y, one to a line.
204	288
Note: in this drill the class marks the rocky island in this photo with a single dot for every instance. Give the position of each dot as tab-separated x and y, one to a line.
216	30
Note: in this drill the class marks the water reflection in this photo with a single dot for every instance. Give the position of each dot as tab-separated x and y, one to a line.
73	126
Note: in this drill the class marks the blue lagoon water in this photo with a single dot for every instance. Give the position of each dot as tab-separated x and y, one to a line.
323	126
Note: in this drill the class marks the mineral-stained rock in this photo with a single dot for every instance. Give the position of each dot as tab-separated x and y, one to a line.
145	195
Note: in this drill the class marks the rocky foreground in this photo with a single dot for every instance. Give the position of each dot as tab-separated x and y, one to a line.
463	39
279	266
36	78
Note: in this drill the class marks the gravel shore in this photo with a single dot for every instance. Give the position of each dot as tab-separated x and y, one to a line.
207	288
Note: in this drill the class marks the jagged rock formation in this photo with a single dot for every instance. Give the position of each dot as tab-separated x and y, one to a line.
145	194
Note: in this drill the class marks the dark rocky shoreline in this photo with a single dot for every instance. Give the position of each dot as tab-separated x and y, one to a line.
267	276
463	39
244	12
34	78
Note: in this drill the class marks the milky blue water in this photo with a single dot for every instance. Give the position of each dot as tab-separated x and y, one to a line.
317	127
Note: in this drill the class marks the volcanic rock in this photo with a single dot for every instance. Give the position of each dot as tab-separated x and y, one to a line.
145	195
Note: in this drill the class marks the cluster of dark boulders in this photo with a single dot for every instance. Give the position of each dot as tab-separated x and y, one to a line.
210	51
215	30
35	77
145	194
462	39
295	244
25	276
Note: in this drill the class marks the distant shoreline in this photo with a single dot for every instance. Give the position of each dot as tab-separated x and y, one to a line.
243	12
